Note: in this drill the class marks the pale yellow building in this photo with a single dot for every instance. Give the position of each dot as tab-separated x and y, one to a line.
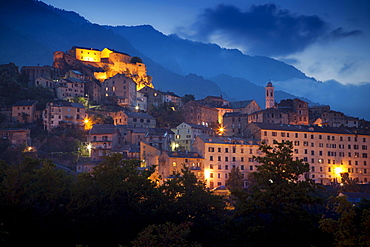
185	134
171	163
330	151
221	154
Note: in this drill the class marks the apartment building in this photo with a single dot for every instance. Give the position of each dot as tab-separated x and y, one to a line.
63	112
171	163
221	154
330	151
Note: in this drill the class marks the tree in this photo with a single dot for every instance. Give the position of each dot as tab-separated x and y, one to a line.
350	225
165	235
280	197
235	180
167	114
188	97
114	202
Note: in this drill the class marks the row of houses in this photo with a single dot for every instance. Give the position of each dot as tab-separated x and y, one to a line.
330	151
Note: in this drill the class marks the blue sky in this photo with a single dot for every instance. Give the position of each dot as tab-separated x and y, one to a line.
325	39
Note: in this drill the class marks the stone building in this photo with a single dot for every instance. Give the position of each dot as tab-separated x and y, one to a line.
197	113
234	123
63	112
69	88
24	111
103	139
120	90
269	115
296	109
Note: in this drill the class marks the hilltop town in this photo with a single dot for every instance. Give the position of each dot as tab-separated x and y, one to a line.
104	102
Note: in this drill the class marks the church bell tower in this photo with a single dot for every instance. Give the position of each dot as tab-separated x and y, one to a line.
270	100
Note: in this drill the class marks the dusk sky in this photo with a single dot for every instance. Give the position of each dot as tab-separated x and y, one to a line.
325	39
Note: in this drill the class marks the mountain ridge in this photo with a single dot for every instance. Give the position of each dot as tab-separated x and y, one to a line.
35	30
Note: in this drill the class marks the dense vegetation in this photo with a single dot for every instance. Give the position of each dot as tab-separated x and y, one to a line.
117	205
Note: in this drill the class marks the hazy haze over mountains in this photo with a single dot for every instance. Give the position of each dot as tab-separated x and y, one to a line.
35	30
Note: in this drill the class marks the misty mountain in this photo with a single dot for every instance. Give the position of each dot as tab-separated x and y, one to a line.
185	56
32	31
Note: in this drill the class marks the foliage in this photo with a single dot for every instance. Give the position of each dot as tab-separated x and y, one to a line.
234	181
167	115
278	205
165	235
188	97
349	227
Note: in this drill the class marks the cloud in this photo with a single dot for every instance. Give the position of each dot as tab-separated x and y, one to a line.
339	33
261	30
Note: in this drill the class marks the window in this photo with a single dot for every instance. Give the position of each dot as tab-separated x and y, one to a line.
364	155
211	158
219	167
219	158
274	133
251	168
320	137
242	167
226	167
211	149
312	169
226	159
211	166
211	175
234	159
312	152
234	150
296	143
219	150
226	150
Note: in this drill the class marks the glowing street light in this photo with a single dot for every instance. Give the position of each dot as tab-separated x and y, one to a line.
221	131
88	123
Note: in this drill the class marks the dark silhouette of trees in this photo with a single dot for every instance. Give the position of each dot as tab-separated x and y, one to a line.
275	213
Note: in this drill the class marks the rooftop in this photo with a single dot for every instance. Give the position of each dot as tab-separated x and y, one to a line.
25	102
304	128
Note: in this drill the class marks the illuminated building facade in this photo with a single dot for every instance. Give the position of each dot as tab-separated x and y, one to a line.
103	64
171	163
221	154
185	134
329	150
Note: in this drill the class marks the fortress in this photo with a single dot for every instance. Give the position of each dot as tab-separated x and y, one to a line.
102	65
